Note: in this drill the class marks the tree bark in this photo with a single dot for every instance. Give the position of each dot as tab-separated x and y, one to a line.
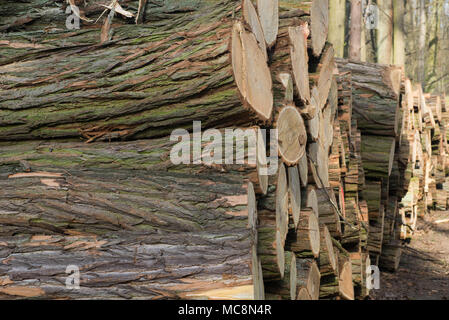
399	36
355	39
125	88
337	9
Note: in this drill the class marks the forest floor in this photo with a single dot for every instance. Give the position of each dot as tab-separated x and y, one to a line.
424	269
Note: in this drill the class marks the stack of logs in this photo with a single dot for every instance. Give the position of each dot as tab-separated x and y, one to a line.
359	153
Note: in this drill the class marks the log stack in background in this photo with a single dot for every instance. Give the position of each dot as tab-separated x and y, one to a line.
362	152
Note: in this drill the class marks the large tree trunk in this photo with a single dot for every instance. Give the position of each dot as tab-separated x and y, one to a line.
125	87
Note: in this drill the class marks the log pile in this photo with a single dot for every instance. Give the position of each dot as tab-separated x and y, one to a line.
92	119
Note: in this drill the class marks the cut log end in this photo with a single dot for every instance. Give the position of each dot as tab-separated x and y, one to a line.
319	16
251	72
280	255
311	200
299	58
345	281
294	190
292	135
252	19
303	294
269	19
314	234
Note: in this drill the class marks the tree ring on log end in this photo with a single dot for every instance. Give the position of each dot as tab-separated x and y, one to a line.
292	135
293	275
314	234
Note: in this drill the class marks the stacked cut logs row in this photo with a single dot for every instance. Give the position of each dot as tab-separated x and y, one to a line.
148	215
135	222
426	120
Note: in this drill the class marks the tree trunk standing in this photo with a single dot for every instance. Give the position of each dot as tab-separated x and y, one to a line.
399	37
337	15
385	32
355	39
363	36
375	90
422	43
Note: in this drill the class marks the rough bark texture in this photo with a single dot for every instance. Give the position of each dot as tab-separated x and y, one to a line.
123	88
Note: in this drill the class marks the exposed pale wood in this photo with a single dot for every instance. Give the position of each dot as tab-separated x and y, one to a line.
375	90
269	19
321	74
319	165
327	208
355	33
251	72
284	289
252	19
